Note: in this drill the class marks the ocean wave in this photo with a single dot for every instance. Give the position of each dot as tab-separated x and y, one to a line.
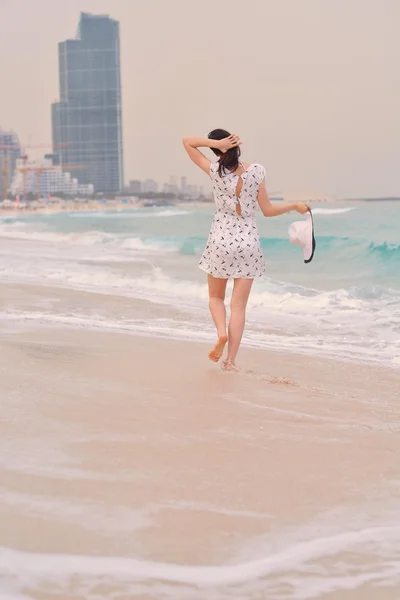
333	211
182	245
187	246
131	214
339	244
148	246
336	246
171	213
17	225
368	311
384	250
88	238
32	232
267	293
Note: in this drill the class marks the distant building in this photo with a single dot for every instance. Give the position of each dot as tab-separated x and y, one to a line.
192	191
183	184
87	121
10	151
135	186
173	185
150	186
43	179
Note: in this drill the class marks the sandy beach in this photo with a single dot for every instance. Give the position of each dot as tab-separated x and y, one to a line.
57	206
134	468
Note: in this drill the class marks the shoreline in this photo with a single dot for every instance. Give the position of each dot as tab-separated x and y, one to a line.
105	303
294	362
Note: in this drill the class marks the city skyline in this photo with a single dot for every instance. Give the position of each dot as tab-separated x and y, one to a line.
181	187
311	87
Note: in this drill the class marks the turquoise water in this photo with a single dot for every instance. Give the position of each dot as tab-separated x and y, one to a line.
358	245
345	303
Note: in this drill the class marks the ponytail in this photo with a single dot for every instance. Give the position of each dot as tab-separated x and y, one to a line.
229	161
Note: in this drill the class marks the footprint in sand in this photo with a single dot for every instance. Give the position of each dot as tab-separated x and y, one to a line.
271	379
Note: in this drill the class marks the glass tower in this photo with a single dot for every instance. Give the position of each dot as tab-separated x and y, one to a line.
87	121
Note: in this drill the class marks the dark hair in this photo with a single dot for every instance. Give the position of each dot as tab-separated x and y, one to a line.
229	160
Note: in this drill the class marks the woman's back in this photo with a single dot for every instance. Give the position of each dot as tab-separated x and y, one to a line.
237	189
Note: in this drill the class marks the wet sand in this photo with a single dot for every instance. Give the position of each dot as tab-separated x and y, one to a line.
134	468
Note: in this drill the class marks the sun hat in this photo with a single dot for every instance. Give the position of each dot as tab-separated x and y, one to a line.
301	233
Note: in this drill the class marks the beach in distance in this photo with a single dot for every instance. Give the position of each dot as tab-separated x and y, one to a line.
11	208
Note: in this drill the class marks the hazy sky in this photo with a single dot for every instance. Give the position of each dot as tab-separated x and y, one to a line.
312	86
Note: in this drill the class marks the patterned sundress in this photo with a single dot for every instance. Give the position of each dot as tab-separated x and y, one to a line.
233	248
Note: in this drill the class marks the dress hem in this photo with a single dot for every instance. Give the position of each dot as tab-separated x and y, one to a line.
230	276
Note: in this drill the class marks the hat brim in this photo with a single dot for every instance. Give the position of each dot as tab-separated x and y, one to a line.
309	249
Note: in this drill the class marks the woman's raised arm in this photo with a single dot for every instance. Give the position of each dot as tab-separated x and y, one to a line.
192	145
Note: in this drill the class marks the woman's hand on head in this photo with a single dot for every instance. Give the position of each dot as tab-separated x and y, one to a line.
302	207
226	144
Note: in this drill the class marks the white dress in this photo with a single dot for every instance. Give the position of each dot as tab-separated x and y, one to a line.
233	248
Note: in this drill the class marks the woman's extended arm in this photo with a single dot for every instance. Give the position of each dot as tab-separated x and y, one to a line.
193	143
269	210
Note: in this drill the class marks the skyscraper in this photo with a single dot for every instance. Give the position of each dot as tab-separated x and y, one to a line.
87	121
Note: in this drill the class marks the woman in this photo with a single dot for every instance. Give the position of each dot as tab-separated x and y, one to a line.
233	248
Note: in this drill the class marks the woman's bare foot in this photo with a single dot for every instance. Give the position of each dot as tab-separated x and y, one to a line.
229	365
218	349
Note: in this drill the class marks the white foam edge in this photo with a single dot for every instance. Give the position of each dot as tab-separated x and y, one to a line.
181	330
62	565
333	211
130	214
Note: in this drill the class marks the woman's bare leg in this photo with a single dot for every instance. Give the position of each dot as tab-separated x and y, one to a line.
240	296
216	291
